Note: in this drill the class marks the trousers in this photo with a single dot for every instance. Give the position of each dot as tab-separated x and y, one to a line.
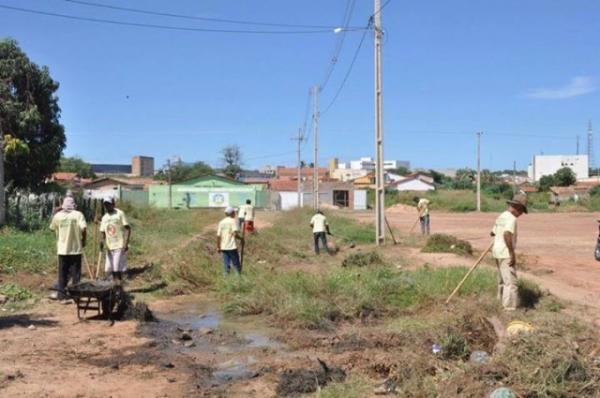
322	236
69	267
425	228
508	292
231	257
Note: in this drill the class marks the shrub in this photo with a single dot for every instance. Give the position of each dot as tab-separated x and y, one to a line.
442	243
362	260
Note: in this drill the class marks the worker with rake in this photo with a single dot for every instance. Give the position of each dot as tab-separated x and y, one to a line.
228	234
423	209
116	232
71	230
503	251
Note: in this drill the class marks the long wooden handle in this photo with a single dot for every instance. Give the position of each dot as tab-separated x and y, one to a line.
98	264
87	266
414	225
470	271
390	229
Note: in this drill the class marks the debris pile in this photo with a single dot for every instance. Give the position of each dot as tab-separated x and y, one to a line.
443	243
295	382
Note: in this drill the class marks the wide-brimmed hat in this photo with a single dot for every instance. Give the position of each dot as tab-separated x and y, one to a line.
519	199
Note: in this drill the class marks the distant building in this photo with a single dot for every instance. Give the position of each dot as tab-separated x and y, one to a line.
368	164
413	183
347	174
104	169
543	165
142	166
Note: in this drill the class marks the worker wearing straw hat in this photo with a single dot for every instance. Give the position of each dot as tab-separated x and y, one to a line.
503	251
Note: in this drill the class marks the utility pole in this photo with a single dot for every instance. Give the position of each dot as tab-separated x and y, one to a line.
169	180
316	90
590	146
300	138
577	145
479	170
379	181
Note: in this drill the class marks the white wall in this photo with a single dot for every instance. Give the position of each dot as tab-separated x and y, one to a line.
549	164
289	200
414	185
360	199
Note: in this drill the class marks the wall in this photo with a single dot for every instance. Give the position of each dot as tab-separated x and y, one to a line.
549	164
184	196
414	185
360	199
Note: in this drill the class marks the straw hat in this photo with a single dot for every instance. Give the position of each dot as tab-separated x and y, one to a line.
519	199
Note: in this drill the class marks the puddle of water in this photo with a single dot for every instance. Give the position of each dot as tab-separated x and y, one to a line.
235	370
256	340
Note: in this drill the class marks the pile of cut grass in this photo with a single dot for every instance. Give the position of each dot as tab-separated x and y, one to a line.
362	260
443	243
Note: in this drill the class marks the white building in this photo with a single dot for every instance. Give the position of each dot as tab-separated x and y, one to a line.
543	165
344	174
413	184
368	164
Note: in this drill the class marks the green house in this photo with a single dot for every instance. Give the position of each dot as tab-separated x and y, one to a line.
207	191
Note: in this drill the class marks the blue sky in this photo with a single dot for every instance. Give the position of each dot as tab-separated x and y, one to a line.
527	73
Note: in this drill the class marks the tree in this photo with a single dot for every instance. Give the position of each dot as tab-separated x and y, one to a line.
76	165
546	182
401	171
182	172
29	119
565	177
232	160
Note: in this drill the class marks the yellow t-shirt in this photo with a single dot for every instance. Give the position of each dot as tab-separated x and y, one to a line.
68	226
246	212
226	232
505	222
423	207
319	221
113	226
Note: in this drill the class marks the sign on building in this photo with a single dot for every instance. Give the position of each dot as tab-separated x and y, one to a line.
218	199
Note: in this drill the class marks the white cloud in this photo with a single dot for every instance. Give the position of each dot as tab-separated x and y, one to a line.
579	85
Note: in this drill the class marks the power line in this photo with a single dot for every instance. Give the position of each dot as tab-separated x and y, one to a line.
339	42
157	26
197	18
341	87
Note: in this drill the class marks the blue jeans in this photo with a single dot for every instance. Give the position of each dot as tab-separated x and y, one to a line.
425	225
231	256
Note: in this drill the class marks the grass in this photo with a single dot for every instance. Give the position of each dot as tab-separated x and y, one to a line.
443	243
353	387
26	251
15	292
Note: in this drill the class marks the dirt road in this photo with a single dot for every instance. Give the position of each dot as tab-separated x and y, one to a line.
556	248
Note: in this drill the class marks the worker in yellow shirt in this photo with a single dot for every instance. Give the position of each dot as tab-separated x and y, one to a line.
320	228
246	217
423	209
116	232
71	230
227	235
503	250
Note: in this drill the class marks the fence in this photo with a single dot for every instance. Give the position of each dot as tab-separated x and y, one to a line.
30	212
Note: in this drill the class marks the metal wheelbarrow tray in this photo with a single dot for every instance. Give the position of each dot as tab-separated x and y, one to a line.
95	295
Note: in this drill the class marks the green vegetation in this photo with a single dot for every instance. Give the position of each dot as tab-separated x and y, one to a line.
353	387
442	243
76	165
27	252
362	260
182	172
30	118
15	292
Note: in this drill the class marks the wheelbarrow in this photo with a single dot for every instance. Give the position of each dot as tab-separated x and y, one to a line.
98	295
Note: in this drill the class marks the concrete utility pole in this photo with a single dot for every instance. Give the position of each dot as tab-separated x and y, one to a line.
590	146
316	91
379	177
2	195
300	138
170	189
479	170
577	145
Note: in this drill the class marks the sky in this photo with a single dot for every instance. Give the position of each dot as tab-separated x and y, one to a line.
525	73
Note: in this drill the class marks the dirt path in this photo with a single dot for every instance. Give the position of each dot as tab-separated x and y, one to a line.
557	248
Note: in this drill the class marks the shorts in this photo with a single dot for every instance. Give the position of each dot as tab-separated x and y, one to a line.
116	261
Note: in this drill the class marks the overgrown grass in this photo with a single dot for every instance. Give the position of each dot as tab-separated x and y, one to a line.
443	243
26	251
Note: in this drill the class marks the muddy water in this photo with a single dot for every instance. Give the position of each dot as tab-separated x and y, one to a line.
196	328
